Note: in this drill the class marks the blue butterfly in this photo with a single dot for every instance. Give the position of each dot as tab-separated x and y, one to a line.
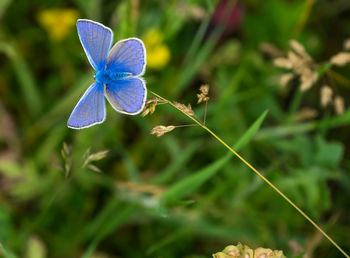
118	75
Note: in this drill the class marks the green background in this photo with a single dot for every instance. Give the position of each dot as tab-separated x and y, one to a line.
201	197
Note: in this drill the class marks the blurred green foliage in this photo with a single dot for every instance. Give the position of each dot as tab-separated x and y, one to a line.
180	195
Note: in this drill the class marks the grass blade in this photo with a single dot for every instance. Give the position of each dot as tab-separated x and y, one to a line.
25	79
191	183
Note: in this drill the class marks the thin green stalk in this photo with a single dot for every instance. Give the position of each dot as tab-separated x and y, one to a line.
295	105
258	173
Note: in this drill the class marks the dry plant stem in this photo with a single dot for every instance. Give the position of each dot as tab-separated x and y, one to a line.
205	112
303	18
260	175
339	78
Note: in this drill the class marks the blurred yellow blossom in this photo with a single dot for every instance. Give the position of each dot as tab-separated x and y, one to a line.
158	53
58	22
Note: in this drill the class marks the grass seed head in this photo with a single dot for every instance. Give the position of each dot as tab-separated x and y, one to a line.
307	80
150	106
160	130
270	49
203	95
339	105
285	79
300	50
186	109
326	95
95	157
305	114
282	62
94	168
340	59
347	44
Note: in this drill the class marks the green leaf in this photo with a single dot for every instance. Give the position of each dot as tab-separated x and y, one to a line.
6	253
109	225
177	163
328	154
250	132
171	238
192	182
25	78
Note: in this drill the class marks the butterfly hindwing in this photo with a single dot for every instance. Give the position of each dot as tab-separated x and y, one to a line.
127	96
117	76
91	108
128	55
96	40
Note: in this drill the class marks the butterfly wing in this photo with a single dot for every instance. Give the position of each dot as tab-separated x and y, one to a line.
128	55
127	96
90	110
96	40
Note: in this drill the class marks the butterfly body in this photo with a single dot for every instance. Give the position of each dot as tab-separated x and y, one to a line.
107	76
118	75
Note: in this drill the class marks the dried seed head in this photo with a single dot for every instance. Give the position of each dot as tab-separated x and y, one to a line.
95	157
326	95
161	130
340	59
270	49
283	63
297	47
239	250
305	114
300	50
339	105
285	79
153	100
307	80
186	109
204	89
66	150
145	112
94	168
203	95
346	44
298	64
137	187
150	106
98	155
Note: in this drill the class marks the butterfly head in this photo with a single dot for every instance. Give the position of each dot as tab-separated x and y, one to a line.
102	77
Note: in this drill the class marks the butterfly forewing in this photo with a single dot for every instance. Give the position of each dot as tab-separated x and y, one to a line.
91	108
96	40
127	95
127	56
119	69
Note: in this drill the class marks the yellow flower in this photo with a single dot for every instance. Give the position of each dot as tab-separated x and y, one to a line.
58	22
158	53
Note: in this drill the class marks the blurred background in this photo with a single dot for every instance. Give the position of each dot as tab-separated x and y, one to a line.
115	190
